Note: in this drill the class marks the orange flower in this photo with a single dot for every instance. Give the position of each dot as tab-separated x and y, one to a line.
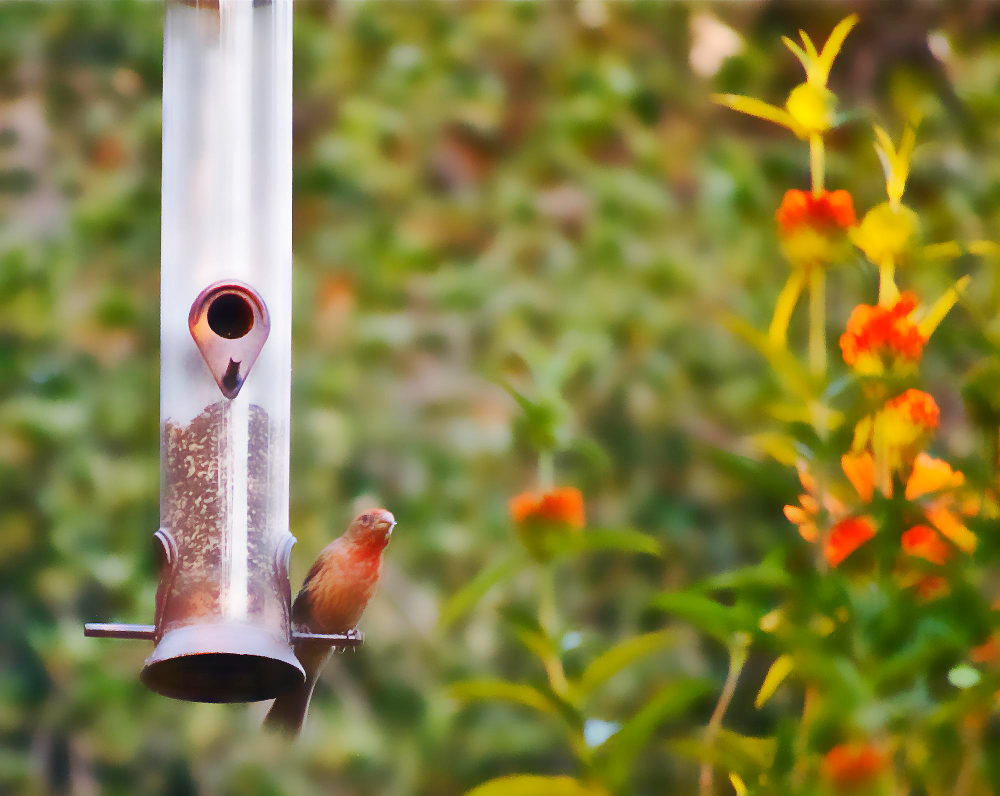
851	765
542	519
882	335
945	509
916	407
810	226
560	505
860	471
941	516
896	435
931	475
932	587
806	513
829	210
987	652
923	542
846	537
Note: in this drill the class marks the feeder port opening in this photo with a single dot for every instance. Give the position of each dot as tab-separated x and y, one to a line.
230	315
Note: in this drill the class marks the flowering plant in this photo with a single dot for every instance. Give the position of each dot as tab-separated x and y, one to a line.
550	521
870	628
893	528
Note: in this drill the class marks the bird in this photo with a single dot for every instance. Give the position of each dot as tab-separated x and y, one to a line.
334	595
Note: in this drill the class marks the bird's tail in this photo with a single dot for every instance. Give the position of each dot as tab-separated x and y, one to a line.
288	713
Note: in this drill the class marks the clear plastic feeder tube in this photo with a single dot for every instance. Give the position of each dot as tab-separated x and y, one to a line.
227	203
222	626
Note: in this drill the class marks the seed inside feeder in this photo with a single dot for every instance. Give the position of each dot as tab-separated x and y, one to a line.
216	578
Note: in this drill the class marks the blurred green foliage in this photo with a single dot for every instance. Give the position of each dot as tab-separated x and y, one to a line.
536	195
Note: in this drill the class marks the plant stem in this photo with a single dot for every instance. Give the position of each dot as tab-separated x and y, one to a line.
887	290
802	737
824	527
967	771
549	656
546	470
547	621
817	321
737	658
817	163
880	450
547	614
789	297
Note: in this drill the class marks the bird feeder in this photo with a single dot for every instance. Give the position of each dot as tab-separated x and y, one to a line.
222	621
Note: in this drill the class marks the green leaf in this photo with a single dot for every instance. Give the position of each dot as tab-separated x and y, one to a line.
783	448
611	661
504	691
749	750
539	644
930	639
541	422
526	404
784	364
672	700
624	540
463	601
981	393
768	574
530	633
746	755
531	785
714	618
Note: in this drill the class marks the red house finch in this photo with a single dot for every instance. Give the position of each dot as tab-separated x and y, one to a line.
332	599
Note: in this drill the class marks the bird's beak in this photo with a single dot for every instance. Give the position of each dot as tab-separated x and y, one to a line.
386	523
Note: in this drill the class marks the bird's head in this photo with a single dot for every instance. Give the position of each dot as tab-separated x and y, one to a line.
373	527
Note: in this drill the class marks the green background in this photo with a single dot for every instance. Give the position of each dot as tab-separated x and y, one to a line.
536	191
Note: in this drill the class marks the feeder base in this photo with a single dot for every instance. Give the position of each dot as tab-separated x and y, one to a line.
221	663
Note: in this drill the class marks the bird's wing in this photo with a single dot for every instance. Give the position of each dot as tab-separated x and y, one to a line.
301	609
301	612
315	569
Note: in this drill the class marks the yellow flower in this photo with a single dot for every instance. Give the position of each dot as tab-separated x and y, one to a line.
810	107
908	419
895	164
886	233
889	230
